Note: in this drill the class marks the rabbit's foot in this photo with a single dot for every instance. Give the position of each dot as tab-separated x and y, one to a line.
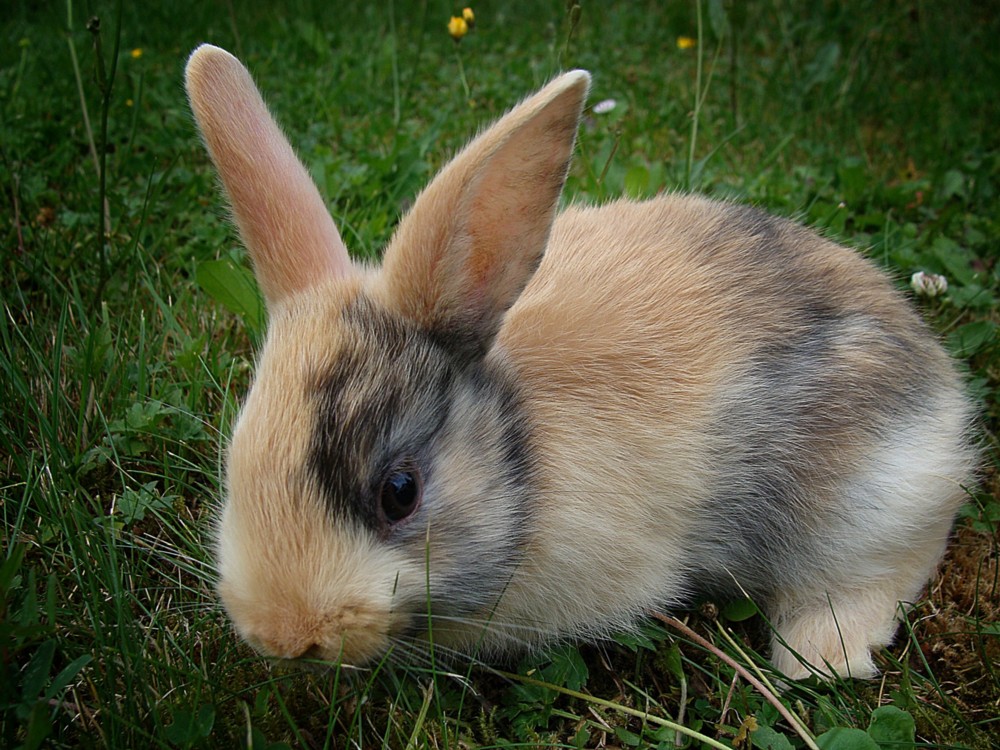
833	635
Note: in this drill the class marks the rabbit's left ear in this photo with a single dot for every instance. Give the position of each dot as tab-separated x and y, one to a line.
476	234
280	213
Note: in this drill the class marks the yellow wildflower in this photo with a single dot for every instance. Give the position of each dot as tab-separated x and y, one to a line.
686	42
129	103
469	17
137	53
457	27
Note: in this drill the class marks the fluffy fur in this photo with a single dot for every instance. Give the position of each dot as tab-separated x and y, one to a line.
619	408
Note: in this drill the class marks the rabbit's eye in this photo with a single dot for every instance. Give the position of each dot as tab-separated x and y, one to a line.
400	494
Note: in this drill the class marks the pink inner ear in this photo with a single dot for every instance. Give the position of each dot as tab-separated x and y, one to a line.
280	213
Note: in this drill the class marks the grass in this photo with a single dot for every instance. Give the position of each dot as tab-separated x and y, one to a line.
129	323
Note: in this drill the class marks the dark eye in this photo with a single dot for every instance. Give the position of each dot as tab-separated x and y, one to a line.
400	494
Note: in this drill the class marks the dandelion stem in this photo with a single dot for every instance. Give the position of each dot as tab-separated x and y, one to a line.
611	155
461	75
697	100
107	79
394	60
79	87
574	20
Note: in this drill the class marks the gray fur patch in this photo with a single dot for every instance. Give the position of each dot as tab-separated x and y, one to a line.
787	427
398	397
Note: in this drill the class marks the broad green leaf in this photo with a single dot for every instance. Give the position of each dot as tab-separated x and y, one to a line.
39	727
972	338
8	571
566	668
67	674
822	67
647	636
955	259
189	727
234	287
892	728
952	185
766	738
637	181
669	660
134	504
179	731
974	296
852	176
631	739
36	675
718	19
205	719
739	610
844	738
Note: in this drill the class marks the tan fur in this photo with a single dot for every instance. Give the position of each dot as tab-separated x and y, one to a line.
467	224
597	354
292	582
665	357
281	216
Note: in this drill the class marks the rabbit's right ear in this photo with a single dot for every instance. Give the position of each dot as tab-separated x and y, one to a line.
280	213
476	234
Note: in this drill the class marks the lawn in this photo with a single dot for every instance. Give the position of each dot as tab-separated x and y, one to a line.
130	321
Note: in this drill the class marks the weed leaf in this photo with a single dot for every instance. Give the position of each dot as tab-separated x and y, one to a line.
233	286
766	738
843	738
892	727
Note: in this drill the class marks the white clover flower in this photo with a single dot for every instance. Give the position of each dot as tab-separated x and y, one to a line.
604	106
929	284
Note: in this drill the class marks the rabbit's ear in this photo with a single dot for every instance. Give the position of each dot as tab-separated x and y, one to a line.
280	213
476	234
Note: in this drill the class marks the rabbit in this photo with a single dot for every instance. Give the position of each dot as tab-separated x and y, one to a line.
528	425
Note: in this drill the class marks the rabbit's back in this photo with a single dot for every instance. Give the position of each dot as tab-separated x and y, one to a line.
696	283
770	412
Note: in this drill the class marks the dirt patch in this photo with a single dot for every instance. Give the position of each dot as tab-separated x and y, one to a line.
958	627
